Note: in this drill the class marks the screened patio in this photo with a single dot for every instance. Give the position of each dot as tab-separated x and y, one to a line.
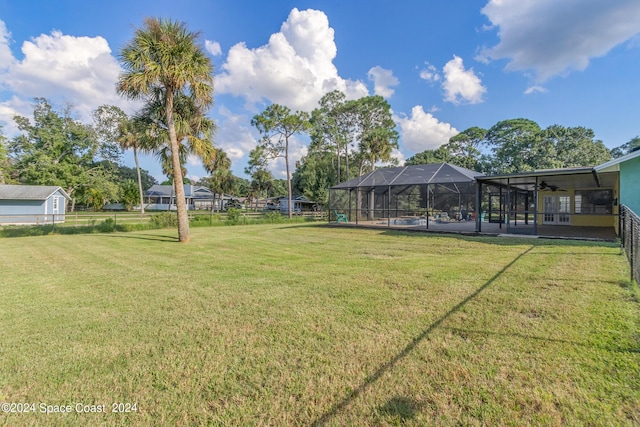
427	196
571	202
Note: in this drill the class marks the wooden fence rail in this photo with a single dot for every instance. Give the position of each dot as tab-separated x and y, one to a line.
80	219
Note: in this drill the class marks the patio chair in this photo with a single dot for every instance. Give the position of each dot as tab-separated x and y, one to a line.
340	217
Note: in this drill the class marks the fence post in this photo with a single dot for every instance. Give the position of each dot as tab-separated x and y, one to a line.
631	251
621	227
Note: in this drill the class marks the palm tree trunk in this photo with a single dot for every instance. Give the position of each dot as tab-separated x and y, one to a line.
181	204
346	159
135	158
338	145
286	160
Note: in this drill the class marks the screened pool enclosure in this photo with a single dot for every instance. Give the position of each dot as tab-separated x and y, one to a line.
570	202
420	195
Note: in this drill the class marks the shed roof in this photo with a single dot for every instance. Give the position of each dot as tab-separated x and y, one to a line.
29	192
434	173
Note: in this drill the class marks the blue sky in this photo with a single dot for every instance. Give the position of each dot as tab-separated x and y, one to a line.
443	66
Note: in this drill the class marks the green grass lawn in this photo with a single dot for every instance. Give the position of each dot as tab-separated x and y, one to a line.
310	325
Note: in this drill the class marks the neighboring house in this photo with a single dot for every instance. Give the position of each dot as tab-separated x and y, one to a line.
32	204
163	198
299	204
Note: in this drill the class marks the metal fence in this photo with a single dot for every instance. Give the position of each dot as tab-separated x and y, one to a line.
630	238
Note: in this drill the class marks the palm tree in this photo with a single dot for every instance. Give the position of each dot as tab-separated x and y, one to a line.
114	126
129	138
194	132
163	62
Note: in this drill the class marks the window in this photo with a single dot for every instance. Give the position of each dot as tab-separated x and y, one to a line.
594	202
55	204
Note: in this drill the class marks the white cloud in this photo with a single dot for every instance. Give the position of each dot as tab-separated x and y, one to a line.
234	136
430	73
6	58
383	81
295	68
11	108
535	89
460	85
193	160
552	37
422	131
237	139
397	154
80	71
213	47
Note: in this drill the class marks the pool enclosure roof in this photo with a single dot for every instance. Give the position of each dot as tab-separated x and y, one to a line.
434	173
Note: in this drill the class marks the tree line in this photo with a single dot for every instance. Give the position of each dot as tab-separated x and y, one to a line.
348	138
521	145
166	68
510	146
86	160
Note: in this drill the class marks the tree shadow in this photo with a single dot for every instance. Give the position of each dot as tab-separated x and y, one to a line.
156	238
390	364
400	407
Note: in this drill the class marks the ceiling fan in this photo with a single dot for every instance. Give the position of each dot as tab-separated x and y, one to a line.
544	186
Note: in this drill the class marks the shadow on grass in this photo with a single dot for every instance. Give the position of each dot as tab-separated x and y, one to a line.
400	407
390	364
511	240
156	238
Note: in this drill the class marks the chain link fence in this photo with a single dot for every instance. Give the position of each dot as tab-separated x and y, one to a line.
630	237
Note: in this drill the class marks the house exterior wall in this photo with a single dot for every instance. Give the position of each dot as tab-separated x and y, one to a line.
20	211
61	205
284	206
33	211
164	206
616	206
580	219
629	184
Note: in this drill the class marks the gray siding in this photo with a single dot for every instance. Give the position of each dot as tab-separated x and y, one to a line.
32	211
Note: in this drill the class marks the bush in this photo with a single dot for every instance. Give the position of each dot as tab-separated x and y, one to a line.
272	217
164	220
202	220
107	225
233	216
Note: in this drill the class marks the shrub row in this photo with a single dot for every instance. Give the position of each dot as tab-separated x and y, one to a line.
157	221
